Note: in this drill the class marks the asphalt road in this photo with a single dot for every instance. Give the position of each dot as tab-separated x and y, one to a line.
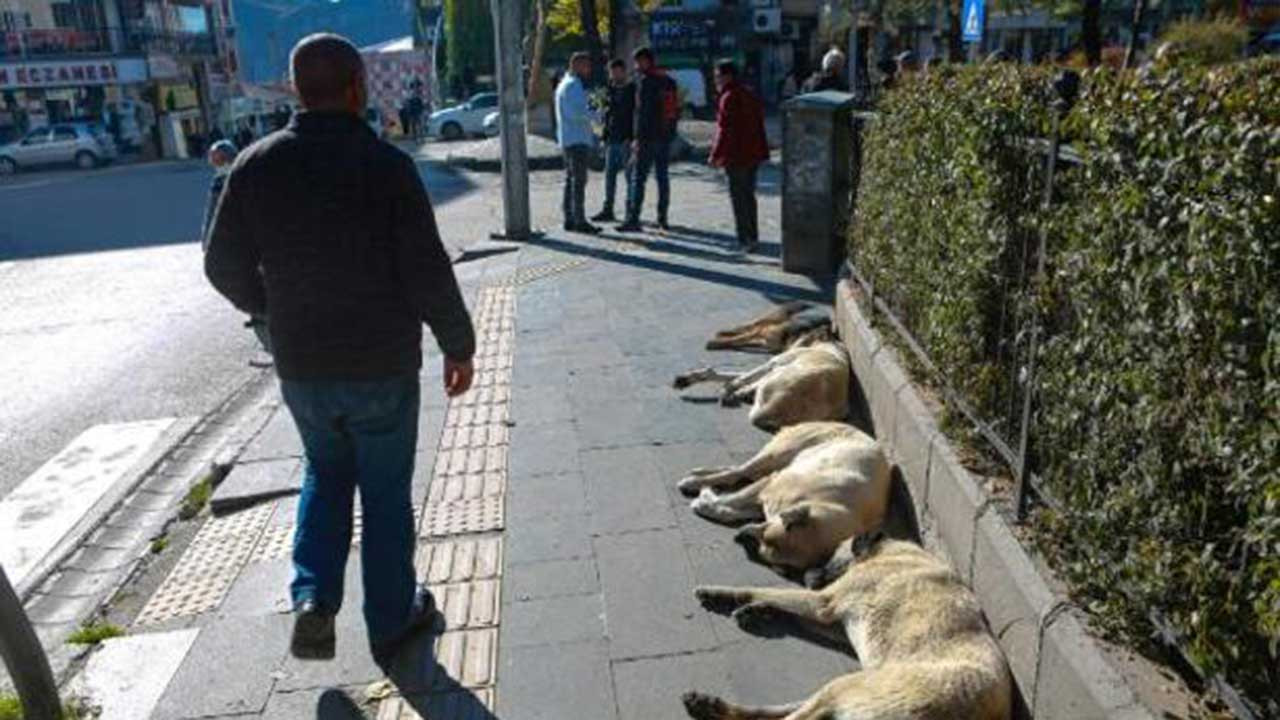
105	315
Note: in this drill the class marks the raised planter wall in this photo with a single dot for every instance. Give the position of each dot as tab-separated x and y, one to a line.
1059	669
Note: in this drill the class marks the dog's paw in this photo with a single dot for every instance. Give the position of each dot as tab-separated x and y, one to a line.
706	504
716	601
701	706
689	486
729	399
754	617
681	382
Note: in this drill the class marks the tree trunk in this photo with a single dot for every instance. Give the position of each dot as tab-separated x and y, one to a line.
591	29
615	27
1139	11
955	41
537	83
1091	31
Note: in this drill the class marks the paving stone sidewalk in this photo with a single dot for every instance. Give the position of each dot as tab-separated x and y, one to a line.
561	553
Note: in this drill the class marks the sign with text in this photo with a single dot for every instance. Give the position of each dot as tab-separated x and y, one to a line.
974	20
680	31
71	73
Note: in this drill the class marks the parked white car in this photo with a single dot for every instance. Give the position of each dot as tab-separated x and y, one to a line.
86	145
491	128
462	120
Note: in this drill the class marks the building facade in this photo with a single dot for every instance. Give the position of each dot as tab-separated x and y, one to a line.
152	71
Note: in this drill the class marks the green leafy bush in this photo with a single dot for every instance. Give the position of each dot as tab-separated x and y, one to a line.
1159	379
1202	42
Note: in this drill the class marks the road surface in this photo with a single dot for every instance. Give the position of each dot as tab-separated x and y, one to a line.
105	315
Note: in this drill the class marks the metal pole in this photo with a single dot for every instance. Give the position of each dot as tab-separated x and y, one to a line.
25	659
1066	86
508	25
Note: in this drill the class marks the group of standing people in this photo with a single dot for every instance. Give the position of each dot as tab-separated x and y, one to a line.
412	112
640	119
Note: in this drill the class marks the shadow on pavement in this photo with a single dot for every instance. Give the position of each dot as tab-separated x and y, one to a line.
335	705
426	686
820	295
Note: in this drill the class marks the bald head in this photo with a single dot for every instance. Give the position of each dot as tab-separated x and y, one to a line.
328	73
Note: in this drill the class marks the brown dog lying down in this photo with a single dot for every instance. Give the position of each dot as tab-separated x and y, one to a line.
805	383
777	329
811	487
925	649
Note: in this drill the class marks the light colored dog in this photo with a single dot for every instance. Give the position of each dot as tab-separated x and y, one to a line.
925	649
811	487
777	329
805	383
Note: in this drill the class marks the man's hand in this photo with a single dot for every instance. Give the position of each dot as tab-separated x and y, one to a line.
457	376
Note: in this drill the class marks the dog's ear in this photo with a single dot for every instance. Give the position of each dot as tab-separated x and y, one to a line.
794	517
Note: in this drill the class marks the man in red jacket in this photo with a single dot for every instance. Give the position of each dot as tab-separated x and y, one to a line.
739	147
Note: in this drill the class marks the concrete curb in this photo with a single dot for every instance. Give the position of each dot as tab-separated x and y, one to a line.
1059	669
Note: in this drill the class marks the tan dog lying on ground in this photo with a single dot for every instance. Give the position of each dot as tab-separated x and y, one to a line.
925	649
776	330
805	383
812	487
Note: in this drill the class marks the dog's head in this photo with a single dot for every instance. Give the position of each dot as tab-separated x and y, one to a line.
797	538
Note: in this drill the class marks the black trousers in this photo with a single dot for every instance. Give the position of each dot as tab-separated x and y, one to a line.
575	184
742	190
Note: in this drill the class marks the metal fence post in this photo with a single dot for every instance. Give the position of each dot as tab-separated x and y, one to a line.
1066	86
25	659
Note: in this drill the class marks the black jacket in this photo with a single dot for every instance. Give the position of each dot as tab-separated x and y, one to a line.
619	116
215	192
650	125
351	259
825	81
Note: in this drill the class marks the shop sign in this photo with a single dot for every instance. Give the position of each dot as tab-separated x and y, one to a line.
163	67
680	31
71	73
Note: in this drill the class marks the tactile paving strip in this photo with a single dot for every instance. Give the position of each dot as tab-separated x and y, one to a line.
455	561
463	518
207	569
467	606
462	705
472	486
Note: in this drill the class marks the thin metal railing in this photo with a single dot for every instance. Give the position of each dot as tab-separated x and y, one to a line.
25	659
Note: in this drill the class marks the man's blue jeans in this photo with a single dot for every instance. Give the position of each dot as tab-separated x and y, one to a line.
656	155
617	159
357	435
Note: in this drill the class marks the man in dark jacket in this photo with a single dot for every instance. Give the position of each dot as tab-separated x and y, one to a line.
651	145
619	117
739	147
351	266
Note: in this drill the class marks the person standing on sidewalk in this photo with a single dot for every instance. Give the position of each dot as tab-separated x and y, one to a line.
619	117
577	139
739	147
831	76
654	130
351	266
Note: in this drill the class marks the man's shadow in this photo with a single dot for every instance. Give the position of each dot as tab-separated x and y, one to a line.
421	682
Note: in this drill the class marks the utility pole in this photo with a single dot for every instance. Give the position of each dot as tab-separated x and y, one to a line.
22	655
508	24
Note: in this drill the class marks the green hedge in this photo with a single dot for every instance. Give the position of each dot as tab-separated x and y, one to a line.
1159	380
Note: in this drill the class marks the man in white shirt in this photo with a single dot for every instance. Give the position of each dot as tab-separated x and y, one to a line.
576	137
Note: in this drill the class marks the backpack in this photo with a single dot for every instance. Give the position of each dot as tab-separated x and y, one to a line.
670	103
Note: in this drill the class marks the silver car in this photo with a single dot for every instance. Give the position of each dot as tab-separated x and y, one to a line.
85	145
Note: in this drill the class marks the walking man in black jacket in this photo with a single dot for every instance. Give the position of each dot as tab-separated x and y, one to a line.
619	117
351	266
651	147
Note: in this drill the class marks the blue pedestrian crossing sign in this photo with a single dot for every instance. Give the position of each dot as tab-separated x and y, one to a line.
974	20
